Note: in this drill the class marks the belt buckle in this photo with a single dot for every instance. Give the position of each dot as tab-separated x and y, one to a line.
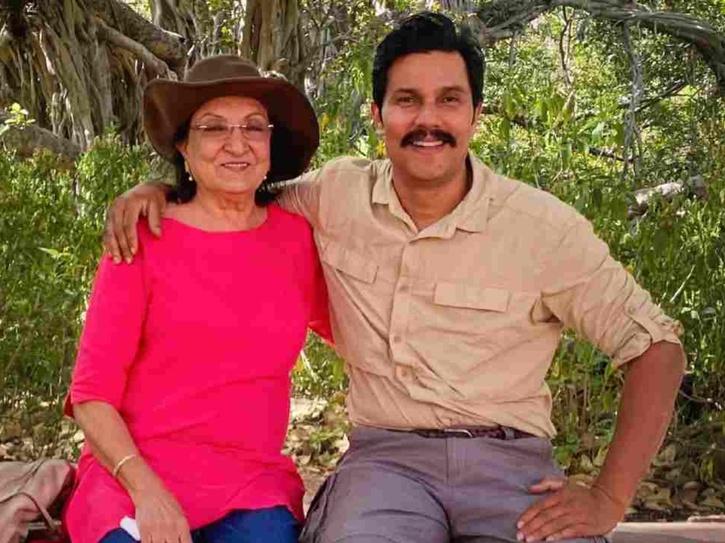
460	432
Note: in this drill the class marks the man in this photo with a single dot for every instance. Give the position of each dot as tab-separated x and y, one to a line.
449	288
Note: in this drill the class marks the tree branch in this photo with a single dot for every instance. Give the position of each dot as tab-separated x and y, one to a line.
164	45
607	153
523	122
652	100
150	60
499	19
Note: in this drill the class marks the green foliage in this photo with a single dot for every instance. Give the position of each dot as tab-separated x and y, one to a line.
545	132
319	372
344	93
560	129
50	224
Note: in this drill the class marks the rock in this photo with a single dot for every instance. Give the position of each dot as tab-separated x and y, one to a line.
666	456
713	502
10	429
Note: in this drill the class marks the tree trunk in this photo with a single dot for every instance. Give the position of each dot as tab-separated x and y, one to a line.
78	66
176	16
199	28
459	6
272	37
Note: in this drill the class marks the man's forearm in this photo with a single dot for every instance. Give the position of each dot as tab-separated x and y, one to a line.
645	410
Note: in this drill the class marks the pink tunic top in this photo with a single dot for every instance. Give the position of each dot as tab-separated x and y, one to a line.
193	343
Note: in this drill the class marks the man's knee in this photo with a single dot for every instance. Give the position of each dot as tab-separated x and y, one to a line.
371	503
365	539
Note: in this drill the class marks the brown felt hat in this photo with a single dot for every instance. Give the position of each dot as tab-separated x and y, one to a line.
168	105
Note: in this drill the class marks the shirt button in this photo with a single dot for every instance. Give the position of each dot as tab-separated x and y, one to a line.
397	338
403	372
403	289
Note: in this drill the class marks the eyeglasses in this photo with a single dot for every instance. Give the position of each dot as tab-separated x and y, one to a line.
252	131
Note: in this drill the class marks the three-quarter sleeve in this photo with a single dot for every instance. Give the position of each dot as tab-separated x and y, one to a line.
112	332
596	296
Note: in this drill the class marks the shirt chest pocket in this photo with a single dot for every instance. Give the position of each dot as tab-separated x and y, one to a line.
471	297
488	316
350	263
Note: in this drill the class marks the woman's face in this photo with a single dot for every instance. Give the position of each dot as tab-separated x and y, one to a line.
220	161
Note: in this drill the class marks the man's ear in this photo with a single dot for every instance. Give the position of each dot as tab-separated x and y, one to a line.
477	113
376	114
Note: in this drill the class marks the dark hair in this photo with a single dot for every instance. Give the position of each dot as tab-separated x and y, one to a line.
423	32
185	189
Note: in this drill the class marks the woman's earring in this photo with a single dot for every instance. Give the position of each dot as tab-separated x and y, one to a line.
188	171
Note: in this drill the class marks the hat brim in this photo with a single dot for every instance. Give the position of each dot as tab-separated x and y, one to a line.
168	105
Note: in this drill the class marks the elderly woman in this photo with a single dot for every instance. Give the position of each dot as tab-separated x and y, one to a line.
182	380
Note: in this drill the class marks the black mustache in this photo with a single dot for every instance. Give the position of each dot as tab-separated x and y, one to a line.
421	133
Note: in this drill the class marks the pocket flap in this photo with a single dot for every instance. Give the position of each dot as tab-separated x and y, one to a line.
468	296
350	262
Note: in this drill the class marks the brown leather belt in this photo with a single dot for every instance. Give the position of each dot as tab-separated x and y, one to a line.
495	432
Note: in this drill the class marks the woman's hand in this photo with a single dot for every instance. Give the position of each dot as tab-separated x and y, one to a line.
159	516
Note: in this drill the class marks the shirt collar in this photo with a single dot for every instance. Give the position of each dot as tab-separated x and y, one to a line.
470	215
383	187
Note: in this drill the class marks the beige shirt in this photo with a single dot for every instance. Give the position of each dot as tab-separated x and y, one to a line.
457	324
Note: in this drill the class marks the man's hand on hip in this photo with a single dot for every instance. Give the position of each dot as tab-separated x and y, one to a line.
570	511
119	237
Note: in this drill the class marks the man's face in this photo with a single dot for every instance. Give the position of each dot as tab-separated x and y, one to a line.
427	116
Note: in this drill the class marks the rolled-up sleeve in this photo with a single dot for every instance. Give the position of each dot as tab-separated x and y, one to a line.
597	297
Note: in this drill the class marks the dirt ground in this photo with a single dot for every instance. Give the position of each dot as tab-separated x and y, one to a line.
672	491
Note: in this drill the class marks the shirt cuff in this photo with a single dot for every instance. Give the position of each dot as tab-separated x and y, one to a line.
650	325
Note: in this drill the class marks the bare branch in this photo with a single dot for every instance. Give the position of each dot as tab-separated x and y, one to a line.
565	46
652	100
607	153
6	38
499	19
632	133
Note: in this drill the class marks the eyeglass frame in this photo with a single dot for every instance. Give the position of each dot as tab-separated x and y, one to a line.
229	132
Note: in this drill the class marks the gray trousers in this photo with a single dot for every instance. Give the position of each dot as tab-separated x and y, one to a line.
399	487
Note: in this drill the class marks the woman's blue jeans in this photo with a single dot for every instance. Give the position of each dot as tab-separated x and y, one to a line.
272	525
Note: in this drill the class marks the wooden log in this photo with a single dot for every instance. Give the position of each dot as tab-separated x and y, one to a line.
28	139
669	532
695	186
